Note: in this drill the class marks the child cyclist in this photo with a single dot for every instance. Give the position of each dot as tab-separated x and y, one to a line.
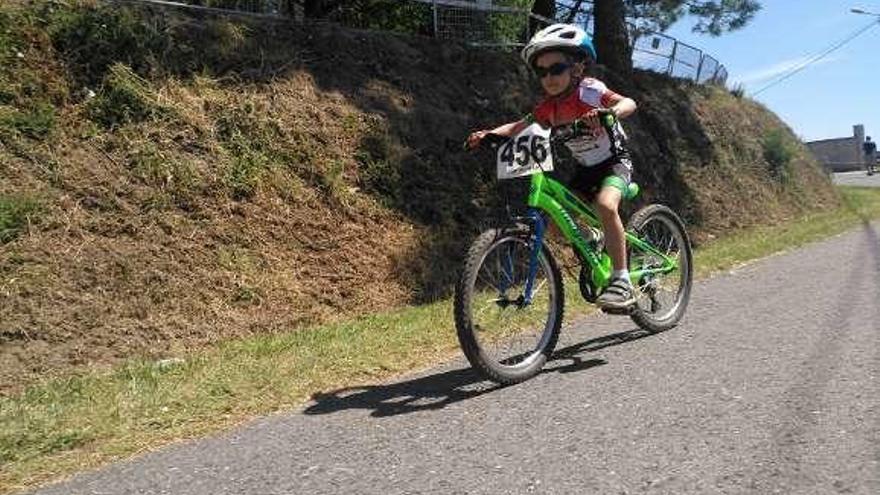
558	54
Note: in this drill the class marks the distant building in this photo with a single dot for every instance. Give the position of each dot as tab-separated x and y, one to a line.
841	154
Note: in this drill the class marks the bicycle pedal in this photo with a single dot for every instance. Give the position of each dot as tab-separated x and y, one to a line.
618	311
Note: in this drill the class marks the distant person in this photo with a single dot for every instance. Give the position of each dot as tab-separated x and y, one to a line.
870	148
559	55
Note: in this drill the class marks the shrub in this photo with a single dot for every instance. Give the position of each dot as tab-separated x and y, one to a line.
507	28
778	151
386	15
379	165
738	91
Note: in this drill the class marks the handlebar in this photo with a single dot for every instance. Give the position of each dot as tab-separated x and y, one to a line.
578	128
560	134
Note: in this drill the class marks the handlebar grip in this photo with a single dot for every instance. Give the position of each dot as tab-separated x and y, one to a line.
490	140
607	118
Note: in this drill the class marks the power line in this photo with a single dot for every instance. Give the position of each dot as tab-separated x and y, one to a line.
817	57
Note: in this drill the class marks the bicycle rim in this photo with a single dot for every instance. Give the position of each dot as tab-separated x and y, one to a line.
510	334
660	296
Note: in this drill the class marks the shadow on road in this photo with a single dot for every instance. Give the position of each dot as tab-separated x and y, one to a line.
441	389
574	352
873	243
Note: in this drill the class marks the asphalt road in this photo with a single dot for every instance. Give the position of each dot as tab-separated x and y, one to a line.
770	385
857	179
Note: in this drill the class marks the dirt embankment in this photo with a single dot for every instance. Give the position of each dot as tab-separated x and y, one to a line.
166	182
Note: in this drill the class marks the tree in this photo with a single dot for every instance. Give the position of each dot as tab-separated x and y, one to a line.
543	8
313	8
612	35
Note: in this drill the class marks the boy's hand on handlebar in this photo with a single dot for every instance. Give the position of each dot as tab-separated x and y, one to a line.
593	118
474	139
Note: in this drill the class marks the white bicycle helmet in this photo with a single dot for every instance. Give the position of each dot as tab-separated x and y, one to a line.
565	37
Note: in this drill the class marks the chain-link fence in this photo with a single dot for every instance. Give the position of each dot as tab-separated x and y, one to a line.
480	22
257	6
661	53
282	9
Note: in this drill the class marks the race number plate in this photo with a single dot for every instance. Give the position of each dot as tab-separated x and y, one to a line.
525	154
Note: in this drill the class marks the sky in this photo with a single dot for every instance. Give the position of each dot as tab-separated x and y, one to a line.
825	99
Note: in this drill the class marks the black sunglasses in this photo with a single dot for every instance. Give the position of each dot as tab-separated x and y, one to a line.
553	70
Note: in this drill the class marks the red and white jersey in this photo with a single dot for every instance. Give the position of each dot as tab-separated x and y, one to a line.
590	94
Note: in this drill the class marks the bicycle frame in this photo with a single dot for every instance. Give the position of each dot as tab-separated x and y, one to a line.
551	198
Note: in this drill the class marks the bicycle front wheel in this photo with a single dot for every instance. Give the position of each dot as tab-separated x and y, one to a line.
505	337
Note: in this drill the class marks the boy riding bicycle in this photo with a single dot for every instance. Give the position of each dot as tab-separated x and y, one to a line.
559	54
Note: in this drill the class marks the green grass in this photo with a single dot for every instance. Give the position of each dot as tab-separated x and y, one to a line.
69	424
35	122
125	98
16	213
142	404
860	205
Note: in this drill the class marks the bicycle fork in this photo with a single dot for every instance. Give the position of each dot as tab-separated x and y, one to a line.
539	227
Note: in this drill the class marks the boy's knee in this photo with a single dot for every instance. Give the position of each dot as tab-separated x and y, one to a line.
607	204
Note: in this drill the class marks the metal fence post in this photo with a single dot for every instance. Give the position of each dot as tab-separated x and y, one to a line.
672	59
700	66
436	22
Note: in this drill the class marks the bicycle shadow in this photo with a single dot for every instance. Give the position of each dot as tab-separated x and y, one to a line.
439	390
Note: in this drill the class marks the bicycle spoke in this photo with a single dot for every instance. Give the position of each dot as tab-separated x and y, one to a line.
669	247
489	284
537	289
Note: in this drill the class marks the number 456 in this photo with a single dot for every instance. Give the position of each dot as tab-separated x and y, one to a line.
528	148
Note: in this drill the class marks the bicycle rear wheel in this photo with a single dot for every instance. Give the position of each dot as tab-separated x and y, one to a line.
503	337
661	298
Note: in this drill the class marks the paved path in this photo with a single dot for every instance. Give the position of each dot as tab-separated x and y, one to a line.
857	179
770	385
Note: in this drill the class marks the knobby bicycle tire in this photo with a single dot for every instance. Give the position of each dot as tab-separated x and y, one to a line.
464	297
637	224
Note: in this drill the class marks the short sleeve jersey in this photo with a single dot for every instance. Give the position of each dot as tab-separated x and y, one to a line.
590	94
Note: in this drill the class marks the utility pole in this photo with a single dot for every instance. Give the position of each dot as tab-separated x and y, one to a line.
865	158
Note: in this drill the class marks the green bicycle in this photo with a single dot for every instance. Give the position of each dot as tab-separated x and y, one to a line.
509	299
